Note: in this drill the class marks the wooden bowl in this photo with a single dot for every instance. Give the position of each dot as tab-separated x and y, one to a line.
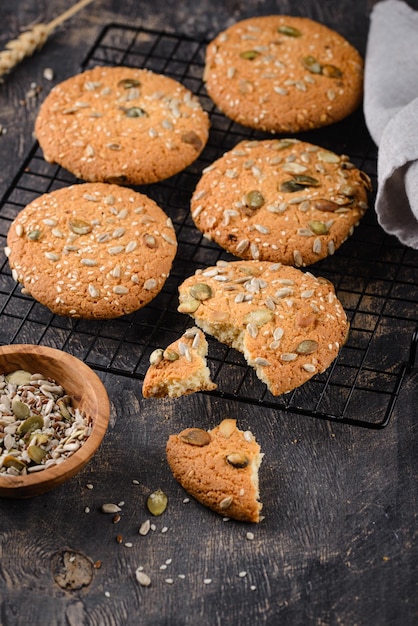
88	394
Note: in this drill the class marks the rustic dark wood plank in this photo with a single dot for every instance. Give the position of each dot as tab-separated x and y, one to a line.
338	544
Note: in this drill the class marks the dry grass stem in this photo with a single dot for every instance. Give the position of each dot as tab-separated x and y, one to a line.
32	40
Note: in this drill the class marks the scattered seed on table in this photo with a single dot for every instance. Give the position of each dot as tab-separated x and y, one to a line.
250	536
242	574
109	507
207	581
169	581
144	528
143	579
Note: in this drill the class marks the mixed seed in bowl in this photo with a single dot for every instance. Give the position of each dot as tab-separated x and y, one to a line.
39	427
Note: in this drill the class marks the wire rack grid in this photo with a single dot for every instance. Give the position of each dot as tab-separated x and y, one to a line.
374	275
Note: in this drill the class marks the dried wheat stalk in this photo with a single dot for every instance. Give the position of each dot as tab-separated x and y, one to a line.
31	40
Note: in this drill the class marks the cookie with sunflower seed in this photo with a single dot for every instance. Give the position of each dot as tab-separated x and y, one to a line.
288	324
93	250
121	125
220	468
180	368
283	74
280	200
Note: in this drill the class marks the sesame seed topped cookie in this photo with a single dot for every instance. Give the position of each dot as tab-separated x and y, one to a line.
283	74
121	125
288	324
92	250
180	368
219	468
280	200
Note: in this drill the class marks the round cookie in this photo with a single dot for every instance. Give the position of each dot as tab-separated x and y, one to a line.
219	468
121	125
288	324
179	369
283	74
92	250
280	200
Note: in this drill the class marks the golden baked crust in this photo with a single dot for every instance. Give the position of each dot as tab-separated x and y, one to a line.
288	324
92	250
180	369
280	200
219	468
121	125
283	74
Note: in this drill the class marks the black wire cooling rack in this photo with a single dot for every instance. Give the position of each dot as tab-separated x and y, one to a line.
375	277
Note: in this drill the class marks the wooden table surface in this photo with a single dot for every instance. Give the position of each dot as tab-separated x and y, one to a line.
338	544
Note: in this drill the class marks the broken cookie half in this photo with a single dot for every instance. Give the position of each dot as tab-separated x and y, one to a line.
180	368
219	468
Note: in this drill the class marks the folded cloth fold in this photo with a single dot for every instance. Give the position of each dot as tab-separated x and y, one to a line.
391	114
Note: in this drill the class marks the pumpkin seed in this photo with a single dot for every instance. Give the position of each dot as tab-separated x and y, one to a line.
306	181
289	31
36	453
32	423
254	199
18	377
319	228
188	306
311	64
80	227
192	139
34	235
20	409
157	502
325	205
201	291
196	437
156	356
282	144
327	156
128	83
12	461
237	459
170	355
250	55
134	112
62	404
331	71
307	346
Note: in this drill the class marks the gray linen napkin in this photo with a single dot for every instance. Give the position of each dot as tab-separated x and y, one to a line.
391	113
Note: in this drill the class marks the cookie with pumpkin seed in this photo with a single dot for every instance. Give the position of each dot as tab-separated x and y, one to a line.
283	74
92	250
288	324
280	200
219	468
179	369
121	125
